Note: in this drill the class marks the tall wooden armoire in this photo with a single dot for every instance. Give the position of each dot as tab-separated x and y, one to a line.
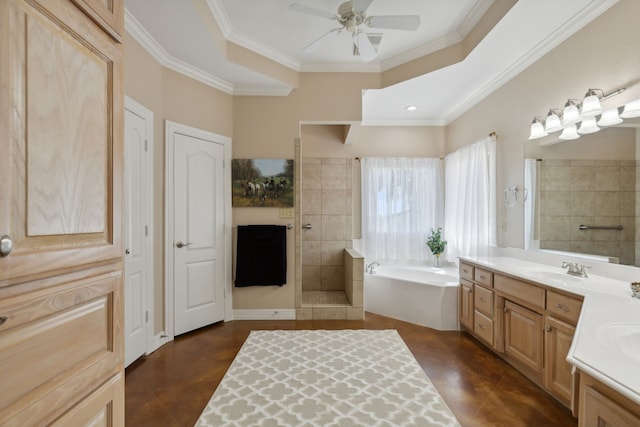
61	163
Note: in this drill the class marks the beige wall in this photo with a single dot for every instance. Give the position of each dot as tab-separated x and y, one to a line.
171	96
603	55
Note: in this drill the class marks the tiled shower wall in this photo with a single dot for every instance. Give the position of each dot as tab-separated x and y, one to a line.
326	205
589	192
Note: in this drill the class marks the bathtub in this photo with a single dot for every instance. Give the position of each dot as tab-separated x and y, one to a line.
420	294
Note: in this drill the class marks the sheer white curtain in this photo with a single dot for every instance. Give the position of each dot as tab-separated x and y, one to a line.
402	199
470	199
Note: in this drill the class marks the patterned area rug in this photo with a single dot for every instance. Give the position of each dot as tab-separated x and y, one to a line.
326	378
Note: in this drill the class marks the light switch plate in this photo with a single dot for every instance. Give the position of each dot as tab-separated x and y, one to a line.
286	213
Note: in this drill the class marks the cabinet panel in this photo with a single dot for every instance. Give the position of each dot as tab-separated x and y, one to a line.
597	410
61	131
483	300
484	277
77	326
466	304
519	290
523	335
101	408
109	14
483	327
466	271
564	306
558	377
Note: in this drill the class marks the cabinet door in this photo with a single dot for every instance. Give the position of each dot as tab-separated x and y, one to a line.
61	117
466	304
557	377
523	335
596	410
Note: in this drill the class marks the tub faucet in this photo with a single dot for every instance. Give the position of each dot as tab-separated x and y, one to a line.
575	269
371	268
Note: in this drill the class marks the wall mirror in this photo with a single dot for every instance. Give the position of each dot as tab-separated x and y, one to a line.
582	195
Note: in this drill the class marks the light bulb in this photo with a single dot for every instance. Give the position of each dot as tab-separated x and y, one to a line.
588	125
631	109
570	114
552	124
610	117
591	105
537	129
570	132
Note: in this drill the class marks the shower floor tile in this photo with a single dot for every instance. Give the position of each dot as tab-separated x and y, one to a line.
324	298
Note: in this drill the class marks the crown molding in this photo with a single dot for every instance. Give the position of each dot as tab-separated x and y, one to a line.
340	67
232	35
588	14
142	36
473	17
420	51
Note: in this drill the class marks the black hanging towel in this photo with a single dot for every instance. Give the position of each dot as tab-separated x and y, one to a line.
261	257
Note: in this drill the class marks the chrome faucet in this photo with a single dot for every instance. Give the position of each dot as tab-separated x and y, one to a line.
575	269
371	268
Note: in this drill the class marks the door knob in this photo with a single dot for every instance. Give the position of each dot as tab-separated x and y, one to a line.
6	244
127	251
307	226
182	245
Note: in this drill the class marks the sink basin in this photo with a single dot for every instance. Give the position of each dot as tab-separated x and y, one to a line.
552	275
624	337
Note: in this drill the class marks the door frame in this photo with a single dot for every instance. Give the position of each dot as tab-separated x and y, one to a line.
171	129
142	111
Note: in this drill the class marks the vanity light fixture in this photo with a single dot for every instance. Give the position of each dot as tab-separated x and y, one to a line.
631	109
553	124
537	128
570	132
610	117
571	112
588	125
585	112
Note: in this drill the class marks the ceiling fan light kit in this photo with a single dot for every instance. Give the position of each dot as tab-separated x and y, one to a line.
352	16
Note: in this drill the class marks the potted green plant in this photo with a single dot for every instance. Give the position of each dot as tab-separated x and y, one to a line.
436	244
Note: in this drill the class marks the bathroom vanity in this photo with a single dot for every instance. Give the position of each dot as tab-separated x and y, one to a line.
576	337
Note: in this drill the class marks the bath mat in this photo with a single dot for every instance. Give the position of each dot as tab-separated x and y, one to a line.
326	378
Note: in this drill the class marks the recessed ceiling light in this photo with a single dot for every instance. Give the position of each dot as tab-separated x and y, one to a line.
410	108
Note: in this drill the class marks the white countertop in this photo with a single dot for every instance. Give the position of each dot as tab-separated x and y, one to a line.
608	308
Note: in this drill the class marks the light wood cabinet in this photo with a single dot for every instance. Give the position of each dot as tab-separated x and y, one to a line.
558	377
466	304
61	116
601	406
523	336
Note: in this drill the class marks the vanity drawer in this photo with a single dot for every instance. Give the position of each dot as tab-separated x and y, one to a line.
483	326
466	271
564	306
483	300
523	291
483	277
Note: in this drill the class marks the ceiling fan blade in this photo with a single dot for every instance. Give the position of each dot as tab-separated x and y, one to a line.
320	41
361	4
297	7
395	22
367	52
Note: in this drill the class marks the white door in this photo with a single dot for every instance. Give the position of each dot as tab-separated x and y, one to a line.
198	232
137	204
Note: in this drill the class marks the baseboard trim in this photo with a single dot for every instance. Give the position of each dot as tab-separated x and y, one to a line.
273	314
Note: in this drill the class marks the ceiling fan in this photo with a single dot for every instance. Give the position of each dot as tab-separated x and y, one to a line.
353	18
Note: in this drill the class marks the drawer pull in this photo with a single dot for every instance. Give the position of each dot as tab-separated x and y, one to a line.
464	270
481	299
481	326
3	319
562	307
483	277
548	328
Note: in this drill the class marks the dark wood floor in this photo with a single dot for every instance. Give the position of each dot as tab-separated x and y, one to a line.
171	386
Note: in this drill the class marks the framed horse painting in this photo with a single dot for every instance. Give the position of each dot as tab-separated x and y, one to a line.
262	183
